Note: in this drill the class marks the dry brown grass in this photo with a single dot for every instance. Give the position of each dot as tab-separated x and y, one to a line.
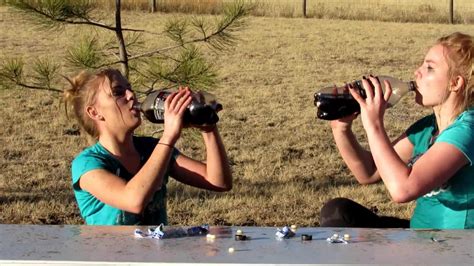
381	10
284	161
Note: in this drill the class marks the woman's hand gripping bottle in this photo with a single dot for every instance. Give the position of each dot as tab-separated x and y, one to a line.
336	102
201	111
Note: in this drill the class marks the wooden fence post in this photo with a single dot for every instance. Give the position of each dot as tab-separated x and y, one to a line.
451	11
304	8
152	6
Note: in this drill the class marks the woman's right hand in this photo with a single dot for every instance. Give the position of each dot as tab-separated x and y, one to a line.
175	106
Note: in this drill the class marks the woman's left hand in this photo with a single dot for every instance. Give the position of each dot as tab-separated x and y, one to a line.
372	108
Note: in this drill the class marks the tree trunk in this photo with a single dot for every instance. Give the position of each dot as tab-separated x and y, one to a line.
118	33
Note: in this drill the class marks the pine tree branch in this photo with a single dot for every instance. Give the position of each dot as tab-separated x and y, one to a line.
161	50
38	87
220	33
16	79
158	51
34	87
83	20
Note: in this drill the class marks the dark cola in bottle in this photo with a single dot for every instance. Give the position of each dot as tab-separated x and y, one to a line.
336	102
201	111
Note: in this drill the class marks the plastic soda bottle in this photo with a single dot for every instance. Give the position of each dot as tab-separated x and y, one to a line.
201	111
336	102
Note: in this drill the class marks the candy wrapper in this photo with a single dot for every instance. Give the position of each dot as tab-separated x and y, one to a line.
337	239
160	232
285	232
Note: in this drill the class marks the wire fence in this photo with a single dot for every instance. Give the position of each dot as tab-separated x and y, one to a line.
429	11
367	3
424	11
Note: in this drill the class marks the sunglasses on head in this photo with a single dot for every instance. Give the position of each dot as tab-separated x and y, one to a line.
120	91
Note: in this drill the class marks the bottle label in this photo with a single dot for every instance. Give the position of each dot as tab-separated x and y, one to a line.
159	107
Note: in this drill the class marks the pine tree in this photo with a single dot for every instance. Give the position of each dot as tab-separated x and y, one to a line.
181	63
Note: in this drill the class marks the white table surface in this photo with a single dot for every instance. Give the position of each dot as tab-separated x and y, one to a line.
80	244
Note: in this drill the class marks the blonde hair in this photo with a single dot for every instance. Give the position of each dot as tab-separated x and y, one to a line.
82	93
459	55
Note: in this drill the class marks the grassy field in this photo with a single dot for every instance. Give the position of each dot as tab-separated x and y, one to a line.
284	161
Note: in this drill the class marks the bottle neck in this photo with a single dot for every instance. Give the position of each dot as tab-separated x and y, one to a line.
137	106
410	84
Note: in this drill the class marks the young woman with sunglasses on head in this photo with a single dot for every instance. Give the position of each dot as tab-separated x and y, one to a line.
121	179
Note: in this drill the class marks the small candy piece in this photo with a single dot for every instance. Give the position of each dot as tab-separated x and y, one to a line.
305	237
347	237
211	236
241	237
434	239
231	250
335	236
